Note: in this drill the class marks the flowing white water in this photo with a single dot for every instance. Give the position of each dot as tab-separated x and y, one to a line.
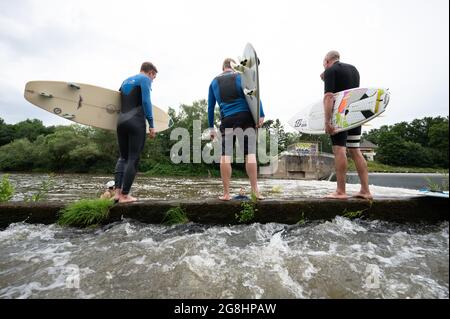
341	258
333	259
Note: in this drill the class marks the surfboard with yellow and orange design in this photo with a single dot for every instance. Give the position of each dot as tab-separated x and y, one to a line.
352	108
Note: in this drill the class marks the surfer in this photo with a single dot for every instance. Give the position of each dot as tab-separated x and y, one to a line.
235	113
241	195
131	128
109	192
338	77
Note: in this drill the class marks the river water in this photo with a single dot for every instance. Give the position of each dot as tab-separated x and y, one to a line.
69	187
340	258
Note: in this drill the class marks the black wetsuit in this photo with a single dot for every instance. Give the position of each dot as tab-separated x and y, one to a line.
337	78
131	128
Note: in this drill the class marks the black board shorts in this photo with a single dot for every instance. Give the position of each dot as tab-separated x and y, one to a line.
241	127
349	139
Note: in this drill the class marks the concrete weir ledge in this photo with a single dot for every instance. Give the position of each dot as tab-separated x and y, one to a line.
399	209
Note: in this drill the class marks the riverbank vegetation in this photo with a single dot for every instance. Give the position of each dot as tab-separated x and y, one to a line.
29	146
422	143
6	189
376	167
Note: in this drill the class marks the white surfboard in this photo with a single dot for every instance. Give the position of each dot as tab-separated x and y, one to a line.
85	104
248	68
352	108
441	194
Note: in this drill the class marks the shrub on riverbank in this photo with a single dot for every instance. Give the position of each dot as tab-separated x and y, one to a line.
6	189
376	167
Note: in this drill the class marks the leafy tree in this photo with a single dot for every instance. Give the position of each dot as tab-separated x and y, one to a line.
16	156
421	143
6	133
438	136
393	150
31	129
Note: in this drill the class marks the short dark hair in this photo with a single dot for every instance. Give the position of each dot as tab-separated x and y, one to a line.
227	63
148	66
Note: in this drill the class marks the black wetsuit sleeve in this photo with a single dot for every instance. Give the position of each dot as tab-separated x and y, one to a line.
330	80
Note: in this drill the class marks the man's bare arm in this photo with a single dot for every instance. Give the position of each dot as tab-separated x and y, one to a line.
328	102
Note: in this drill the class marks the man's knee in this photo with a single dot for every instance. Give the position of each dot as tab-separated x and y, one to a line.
354	152
251	158
224	159
339	150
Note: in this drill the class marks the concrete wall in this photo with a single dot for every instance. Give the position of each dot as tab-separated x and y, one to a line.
303	167
414	209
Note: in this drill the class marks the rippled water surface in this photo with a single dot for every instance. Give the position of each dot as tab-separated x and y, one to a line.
69	187
334	259
341	258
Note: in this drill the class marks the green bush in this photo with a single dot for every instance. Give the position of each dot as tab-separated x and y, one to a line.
420	143
247	214
6	189
17	156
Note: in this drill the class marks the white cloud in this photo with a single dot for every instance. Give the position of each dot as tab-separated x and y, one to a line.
398	44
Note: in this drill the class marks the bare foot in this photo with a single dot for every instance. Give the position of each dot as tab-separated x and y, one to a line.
367	196
127	199
259	196
117	193
337	195
225	197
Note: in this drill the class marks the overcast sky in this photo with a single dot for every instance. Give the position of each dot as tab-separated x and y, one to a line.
401	45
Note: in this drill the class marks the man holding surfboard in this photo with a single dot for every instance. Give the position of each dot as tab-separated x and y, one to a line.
136	108
227	91
338	77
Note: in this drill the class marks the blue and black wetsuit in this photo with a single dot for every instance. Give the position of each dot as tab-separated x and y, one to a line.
131	128
227	91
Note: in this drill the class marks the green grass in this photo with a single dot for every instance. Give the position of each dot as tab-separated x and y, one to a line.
302	220
6	189
85	213
352	215
248	211
434	187
375	167
175	216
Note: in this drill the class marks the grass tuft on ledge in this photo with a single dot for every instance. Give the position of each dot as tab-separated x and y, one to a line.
85	213
175	216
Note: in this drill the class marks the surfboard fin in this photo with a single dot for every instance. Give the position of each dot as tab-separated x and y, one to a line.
45	94
246	62
249	92
73	85
238	67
